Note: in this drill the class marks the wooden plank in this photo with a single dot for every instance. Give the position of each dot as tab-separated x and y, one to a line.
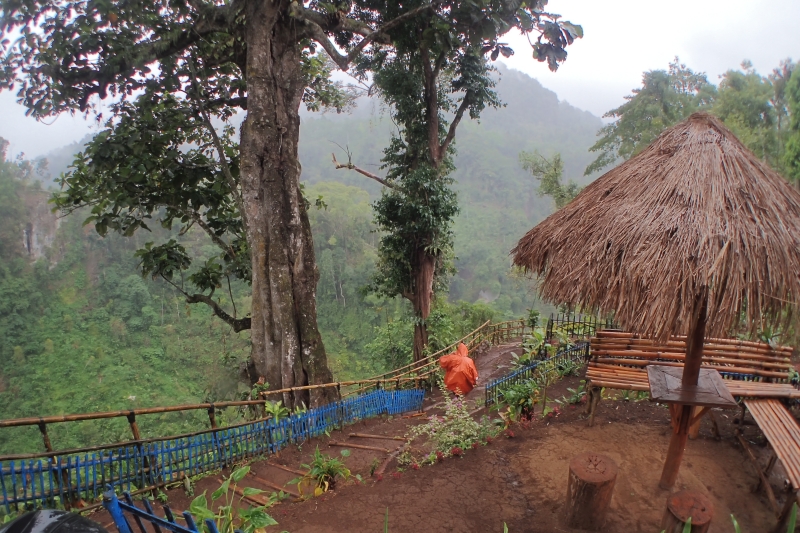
359	446
784	439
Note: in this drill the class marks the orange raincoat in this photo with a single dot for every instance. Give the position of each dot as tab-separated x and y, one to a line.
460	373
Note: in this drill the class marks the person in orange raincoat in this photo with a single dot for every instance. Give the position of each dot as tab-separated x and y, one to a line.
460	376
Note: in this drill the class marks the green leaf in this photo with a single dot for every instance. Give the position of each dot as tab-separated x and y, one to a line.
345	453
792	518
252	491
239	474
687	527
199	508
259	519
222	490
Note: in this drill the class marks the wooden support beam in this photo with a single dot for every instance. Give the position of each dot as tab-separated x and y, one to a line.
368	436
359	447
764	482
274	486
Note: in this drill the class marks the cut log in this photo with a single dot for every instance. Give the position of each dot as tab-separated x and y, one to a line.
685	504
591	485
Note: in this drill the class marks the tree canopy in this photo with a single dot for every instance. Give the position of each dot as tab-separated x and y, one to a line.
170	72
758	109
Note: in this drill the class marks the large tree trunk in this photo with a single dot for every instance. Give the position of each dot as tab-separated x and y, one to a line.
287	348
423	266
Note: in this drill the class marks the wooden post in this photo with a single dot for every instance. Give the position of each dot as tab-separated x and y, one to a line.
591	485
694	429
685	504
691	372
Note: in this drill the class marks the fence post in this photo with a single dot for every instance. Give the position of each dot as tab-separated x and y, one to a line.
111	503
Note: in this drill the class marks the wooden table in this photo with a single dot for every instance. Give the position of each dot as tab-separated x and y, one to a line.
710	391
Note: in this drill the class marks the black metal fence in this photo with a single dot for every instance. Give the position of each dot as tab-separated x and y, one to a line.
577	324
578	352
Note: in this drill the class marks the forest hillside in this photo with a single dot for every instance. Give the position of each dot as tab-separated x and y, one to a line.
83	331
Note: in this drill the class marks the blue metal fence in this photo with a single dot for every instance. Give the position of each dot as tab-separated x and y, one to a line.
136	465
118	510
577	352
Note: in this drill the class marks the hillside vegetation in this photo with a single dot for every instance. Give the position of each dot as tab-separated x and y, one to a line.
83	331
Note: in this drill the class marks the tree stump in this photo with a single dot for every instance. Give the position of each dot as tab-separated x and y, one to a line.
591	485
682	505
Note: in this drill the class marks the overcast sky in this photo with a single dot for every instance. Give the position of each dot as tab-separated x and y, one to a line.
623	38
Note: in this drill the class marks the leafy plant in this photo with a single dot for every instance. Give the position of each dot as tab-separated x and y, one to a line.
162	496
232	515
575	396
276	410
455	429
520	399
324	471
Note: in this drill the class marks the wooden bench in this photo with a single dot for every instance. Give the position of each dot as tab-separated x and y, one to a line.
752	369
783	434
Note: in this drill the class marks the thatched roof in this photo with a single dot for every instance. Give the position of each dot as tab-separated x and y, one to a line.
695	209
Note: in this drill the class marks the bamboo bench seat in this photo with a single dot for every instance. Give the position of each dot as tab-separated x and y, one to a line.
783	434
751	369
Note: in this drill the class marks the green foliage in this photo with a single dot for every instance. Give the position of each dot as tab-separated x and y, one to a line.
549	172
791	156
231	513
455	431
519	399
324	471
275	410
754	107
665	98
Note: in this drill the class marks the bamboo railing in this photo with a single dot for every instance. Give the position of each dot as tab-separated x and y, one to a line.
416	373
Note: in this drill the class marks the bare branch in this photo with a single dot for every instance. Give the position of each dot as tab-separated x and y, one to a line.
370	175
238	324
451	133
317	24
210	232
226	171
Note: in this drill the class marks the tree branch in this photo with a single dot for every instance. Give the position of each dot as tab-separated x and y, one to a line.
431	107
226	171
317	24
214	237
451	133
97	80
370	175
238	324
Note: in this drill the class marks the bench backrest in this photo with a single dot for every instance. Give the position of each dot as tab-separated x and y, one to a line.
728	356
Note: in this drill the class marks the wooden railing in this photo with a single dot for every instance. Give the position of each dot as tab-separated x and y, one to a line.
413	374
424	370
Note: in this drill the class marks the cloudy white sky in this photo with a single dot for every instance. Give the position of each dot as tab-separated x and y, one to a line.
623	38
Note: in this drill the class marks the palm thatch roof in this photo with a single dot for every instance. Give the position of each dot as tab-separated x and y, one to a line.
694	212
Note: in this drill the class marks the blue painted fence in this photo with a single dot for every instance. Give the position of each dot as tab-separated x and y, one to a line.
136	465
143	517
577	352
